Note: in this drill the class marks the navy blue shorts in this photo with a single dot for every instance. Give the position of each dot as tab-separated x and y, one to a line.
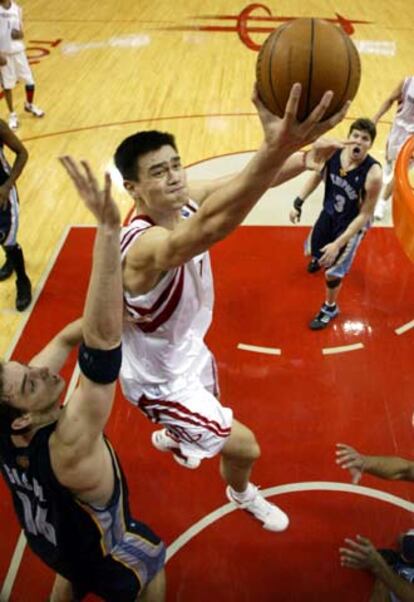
113	579
9	221
325	231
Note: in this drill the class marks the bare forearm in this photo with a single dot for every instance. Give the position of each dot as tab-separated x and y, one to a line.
310	186
17	168
292	167
401	588
388	467
229	205
382	110
355	226
102	318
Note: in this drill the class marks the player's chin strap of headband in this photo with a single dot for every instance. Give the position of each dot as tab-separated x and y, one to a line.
101	366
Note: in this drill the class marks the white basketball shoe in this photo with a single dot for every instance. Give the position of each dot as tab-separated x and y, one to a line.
272	517
163	441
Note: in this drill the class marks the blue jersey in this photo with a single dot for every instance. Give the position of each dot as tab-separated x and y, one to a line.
100	550
344	190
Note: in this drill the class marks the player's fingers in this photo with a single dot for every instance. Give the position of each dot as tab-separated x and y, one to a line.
335	119
90	176
364	541
292	104
320	110
344	446
71	168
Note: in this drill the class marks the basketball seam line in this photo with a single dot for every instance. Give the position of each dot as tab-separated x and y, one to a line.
310	72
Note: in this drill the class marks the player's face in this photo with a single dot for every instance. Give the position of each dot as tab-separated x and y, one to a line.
363	143
161	182
35	390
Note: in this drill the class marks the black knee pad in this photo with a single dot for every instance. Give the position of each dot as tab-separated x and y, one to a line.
333	283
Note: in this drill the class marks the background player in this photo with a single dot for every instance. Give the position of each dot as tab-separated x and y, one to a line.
352	184
17	66
9	215
167	370
68	489
402	127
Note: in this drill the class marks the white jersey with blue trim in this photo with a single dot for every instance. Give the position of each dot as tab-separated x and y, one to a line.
405	114
164	329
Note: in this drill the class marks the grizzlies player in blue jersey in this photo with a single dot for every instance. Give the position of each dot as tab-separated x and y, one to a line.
9	215
353	182
67	485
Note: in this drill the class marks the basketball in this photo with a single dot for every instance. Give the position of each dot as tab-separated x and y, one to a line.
315	53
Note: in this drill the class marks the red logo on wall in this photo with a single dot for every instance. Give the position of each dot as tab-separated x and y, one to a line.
255	18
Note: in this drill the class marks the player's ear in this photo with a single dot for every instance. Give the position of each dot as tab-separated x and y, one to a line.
22	422
131	187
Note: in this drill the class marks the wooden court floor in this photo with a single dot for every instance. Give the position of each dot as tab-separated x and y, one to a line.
104	70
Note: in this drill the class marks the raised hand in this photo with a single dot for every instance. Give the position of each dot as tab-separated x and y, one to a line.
294	216
349	459
290	133
99	201
360	554
321	151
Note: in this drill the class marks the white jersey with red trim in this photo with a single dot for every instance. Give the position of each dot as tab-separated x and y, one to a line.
164	329
10	18
405	114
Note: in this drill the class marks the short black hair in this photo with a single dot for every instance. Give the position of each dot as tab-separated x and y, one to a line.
364	124
7	412
132	148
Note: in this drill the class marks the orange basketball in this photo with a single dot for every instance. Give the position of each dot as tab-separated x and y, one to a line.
316	54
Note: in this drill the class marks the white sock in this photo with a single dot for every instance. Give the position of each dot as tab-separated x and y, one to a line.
244	496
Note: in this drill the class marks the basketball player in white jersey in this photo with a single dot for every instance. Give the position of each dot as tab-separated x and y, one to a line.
167	369
402	127
17	66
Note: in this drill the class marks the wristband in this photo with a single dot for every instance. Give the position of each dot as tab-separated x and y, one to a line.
297	204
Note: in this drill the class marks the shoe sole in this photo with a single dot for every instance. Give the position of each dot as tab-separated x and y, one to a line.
181	461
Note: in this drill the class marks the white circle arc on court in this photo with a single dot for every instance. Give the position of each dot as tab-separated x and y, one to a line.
216	515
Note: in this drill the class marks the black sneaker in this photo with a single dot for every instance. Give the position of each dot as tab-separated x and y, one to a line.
313	266
323	318
6	270
24	293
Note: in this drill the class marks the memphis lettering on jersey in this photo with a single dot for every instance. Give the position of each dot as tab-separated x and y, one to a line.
35	514
344	185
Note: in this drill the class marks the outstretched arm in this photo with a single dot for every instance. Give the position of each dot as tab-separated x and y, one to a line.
225	208
312	160
385	467
395	95
361	554
84	417
56	352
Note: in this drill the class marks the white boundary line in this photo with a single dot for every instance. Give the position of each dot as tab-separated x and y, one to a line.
342	349
216	515
404	327
21	542
257	349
